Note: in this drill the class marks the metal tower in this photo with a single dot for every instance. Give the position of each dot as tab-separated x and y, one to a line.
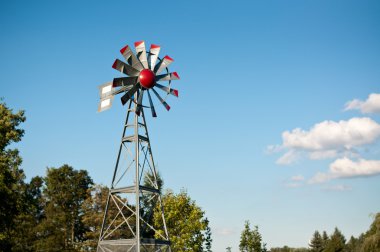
134	195
134	218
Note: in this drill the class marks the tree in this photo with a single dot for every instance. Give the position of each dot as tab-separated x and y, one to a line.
65	191
371	241
316	242
93	211
325	239
185	221
25	234
336	242
228	249
208	240
11	177
353	245
250	240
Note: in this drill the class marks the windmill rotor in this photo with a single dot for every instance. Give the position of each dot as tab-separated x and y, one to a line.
144	73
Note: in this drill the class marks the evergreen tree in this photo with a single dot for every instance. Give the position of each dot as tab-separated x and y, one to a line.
228	249
316	242
336	242
352	245
325	240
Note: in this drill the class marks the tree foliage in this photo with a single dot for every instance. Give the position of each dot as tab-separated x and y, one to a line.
251	240
316	243
11	176
186	223
65	191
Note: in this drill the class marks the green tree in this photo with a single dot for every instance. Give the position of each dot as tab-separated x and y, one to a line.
228	249
251	240
185	221
336	242
371	241
316	242
325	239
25	234
353	245
208	240
11	176
93	211
65	191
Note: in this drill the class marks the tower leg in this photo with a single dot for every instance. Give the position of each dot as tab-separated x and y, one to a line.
129	223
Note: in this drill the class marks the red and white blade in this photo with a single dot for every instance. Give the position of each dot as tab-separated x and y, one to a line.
167	89
164	63
161	100
151	105
125	68
124	81
141	53
125	98
167	77
131	58
139	102
153	55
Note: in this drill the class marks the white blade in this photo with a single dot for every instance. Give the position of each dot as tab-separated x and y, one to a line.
131	58
164	63
141	53
153	55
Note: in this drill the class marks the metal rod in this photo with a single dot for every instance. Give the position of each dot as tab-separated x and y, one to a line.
114	173
137	182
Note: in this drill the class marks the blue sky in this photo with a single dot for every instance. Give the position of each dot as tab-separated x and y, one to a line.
250	70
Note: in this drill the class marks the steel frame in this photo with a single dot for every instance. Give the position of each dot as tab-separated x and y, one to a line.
124	231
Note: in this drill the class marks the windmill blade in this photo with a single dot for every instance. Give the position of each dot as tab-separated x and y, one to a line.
125	68
121	90
129	94
151	105
167	77
124	81
141	53
161	100
105	103
131	58
105	89
153	55
167	89
139	103
164	63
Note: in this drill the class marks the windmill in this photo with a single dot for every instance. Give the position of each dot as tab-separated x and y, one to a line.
134	215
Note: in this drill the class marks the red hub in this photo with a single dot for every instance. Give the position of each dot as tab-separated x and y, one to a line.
147	78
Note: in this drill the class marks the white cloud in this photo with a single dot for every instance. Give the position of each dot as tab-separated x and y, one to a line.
323	154
339	188
371	105
273	149
293	185
297	178
346	168
224	231
331	135
328	138
288	158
